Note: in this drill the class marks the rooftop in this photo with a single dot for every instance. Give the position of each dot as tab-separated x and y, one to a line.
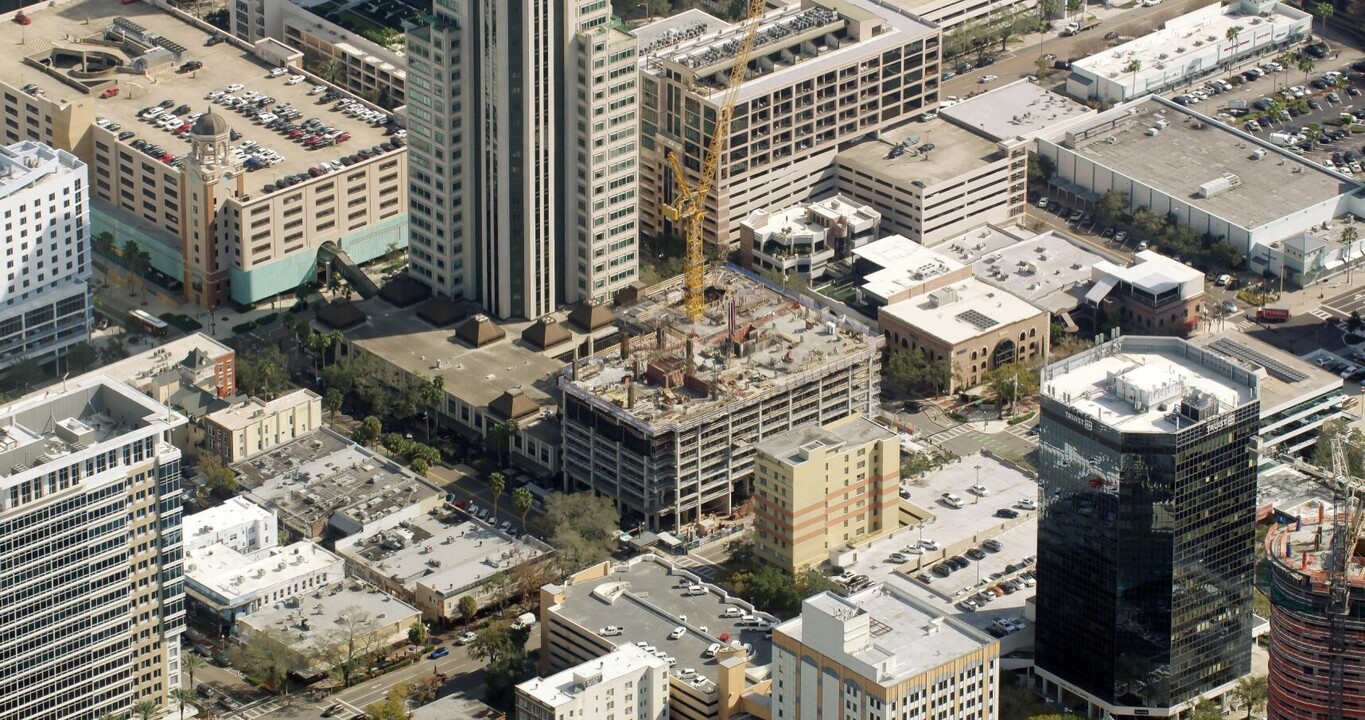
1019	109
961	311
1288	380
248	412
234	512
1309	546
167	358
308	620
237	576
69	424
1046	270
322	476
1137	384
884	633
1153	272
1184	39
561	688
25	163
69	27
643	597
857	430
1192	150
904	264
956	151
675	29
796	41
670	371
447	555
456	707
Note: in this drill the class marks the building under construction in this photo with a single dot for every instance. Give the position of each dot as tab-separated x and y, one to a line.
1317	616
667	422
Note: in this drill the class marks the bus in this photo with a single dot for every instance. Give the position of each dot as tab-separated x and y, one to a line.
149	323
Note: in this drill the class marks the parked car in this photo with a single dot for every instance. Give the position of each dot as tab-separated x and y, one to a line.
1007	513
438	653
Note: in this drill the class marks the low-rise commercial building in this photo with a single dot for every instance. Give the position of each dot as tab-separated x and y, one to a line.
801	240
238	524
339	620
1020	110
227	584
323	481
882	653
253	426
973	326
896	268
1155	295
433	562
45	198
718	663
172	371
1049	270
932	179
817	489
1198	44
627	681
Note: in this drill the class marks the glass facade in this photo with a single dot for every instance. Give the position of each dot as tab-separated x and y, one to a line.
1145	555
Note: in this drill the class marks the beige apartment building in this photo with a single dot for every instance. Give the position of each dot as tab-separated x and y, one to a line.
255	426
817	489
822	73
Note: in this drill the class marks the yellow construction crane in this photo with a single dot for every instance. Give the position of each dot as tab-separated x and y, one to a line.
689	206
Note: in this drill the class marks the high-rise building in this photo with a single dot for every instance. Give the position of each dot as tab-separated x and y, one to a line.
626	683
817	489
90	566
46	292
1147	466
483	95
601	175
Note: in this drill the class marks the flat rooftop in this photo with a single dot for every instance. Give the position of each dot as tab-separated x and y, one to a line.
1181	157
1288	380
233	575
839	30
1045	270
1019	109
26	163
561	688
675	29
46	426
246	413
1284	487
444	554
675	371
316	618
321	475
961	311
642	596
1153	272
68	26
903	632
167	357
904	264
856	431
1136	384
956	151
235	511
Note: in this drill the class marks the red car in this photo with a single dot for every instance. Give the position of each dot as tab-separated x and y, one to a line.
183	128
21	18
109	92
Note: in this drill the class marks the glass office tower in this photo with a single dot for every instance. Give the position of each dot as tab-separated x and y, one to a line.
1147	524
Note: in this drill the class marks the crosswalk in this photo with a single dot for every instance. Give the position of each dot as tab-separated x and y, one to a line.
943	436
255	710
700	568
1021	431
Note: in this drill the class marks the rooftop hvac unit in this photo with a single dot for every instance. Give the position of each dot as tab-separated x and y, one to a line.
1218	186
943	296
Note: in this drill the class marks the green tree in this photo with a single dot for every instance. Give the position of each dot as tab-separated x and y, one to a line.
138	262
267	657
1232	34
1133	67
319	343
261	371
914	371
104	244
1074	6
496	485
417	633
1206	709
432	393
394	706
1049	8
468	607
216	477
523	501
1324	10
368	431
81	356
1111	207
1251	692
586	528
182	697
1304	62
25	373
1012	380
190	663
145	708
1041	168
1349	235
331	401
420	465
395	443
503	649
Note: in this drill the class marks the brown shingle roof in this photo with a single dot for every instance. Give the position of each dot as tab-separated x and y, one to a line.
479	331
546	333
590	316
514	404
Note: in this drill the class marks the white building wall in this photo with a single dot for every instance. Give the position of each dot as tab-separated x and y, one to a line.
238	523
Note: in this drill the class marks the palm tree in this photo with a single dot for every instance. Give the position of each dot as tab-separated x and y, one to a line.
1324	10
1233	32
182	697
189	663
144	709
523	500
432	391
332	401
1305	63
496	483
1133	67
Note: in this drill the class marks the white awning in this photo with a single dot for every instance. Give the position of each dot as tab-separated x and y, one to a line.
1100	291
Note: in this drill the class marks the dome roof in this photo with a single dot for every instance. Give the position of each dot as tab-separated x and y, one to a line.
210	124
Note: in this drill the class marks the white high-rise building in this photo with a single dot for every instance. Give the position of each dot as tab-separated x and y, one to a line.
482	102
45	296
627	683
601	171
91	589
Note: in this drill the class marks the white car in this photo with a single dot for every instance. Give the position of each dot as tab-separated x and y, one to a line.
276	72
979	490
610	631
899	558
214	95
711	650
317	90
465	639
294	80
102	122
987	78
1027	504
927	544
235	87
677	633
732	612
953	500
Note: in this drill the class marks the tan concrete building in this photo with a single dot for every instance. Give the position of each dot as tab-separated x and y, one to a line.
1156	295
817	489
255	426
217	216
800	240
825	73
974	326
882	653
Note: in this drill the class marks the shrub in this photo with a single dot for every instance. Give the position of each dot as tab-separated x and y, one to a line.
243	328
264	320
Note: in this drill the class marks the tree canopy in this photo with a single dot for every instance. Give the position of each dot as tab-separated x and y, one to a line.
586	528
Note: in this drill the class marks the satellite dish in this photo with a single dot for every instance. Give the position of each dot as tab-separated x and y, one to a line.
913	139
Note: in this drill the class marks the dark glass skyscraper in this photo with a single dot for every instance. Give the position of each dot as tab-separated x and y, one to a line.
1147	525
